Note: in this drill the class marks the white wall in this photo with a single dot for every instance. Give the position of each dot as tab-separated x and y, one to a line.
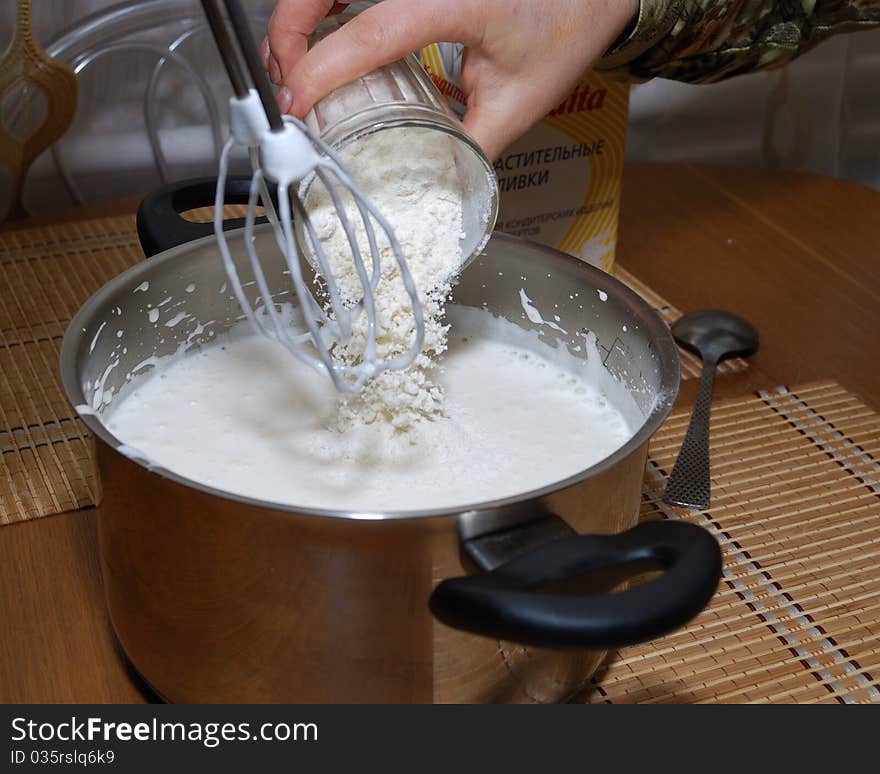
820	113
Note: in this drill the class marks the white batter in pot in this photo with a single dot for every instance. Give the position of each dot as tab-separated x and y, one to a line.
240	416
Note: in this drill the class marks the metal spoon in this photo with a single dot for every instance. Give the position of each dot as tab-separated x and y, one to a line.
714	335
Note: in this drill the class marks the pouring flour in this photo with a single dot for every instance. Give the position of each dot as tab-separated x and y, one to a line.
483	412
410	176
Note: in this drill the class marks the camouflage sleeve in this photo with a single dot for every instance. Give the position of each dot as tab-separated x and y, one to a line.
700	41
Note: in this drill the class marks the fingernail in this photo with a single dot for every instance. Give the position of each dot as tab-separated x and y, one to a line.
284	99
274	70
264	52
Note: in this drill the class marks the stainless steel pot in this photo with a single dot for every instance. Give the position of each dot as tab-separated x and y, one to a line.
221	598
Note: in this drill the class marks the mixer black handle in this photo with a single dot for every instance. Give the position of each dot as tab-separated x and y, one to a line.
525	601
159	224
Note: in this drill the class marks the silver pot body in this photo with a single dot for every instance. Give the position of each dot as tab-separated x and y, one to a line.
219	598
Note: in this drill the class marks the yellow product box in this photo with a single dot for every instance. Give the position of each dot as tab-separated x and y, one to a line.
560	182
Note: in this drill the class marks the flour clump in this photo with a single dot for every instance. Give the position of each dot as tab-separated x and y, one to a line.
410	175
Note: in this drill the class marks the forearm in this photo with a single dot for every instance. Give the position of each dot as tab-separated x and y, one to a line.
701	41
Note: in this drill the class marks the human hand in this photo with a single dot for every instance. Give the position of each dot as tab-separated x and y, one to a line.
521	57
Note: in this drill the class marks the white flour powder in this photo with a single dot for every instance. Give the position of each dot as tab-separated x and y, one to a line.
409	175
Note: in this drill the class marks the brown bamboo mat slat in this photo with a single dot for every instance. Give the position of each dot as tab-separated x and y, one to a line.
796	508
206	214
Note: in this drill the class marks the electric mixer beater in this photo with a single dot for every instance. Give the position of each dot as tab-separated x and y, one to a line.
284	151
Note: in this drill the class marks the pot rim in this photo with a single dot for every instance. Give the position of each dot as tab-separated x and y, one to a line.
664	349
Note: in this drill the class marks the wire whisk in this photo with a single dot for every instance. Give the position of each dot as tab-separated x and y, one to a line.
284	151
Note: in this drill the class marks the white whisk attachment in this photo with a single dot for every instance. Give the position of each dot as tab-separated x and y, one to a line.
286	152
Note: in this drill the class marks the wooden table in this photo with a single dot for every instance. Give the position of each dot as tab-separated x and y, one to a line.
797	255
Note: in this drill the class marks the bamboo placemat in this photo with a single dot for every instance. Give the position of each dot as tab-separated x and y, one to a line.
796	508
47	273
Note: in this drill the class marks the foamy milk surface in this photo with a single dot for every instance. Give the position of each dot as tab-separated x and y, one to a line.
243	416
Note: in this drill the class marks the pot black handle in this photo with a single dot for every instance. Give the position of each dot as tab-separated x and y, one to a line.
159	224
507	603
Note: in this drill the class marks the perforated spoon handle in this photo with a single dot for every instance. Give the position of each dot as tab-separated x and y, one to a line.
689	485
